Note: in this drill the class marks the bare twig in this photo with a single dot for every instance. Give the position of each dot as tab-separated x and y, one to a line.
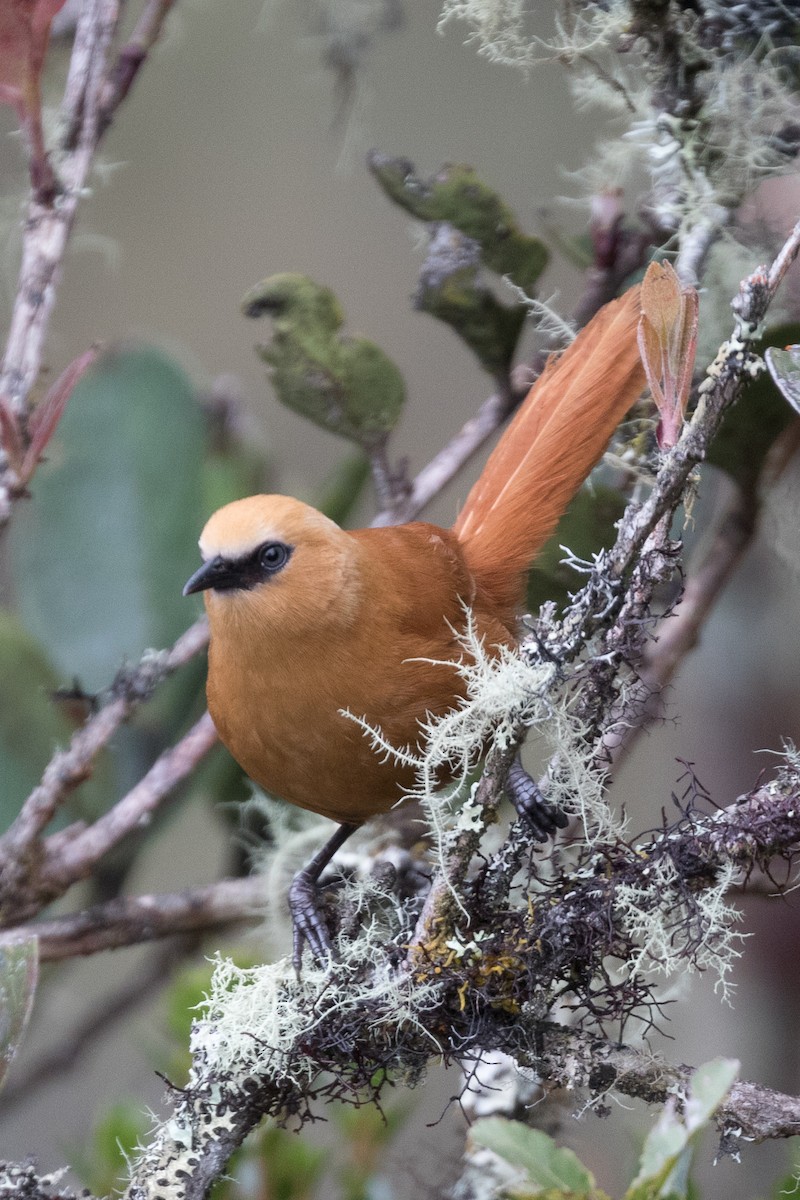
391	485
130	920
71	854
48	226
449	461
131	58
68	768
49	869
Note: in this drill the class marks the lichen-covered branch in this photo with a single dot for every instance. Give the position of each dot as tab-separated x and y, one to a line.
272	1044
572	1059
610	616
676	634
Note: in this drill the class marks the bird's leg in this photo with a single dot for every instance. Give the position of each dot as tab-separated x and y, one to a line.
307	923
542	819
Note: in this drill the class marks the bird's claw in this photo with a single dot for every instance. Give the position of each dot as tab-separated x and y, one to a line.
542	818
308	925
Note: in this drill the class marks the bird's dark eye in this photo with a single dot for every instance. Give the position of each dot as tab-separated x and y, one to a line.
273	556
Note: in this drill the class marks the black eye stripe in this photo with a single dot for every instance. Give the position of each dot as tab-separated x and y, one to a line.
241	574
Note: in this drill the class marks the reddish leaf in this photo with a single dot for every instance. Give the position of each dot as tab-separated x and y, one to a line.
24	33
668	344
45	417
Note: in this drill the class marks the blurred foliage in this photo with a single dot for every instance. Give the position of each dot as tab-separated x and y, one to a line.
550	1172
789	1184
752	426
345	384
98	558
101	552
343	487
232	467
471	228
32	725
102	1162
19	974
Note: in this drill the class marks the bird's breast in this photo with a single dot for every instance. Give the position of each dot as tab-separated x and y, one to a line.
382	652
283	719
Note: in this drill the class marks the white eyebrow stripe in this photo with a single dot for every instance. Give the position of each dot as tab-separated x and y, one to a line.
240	548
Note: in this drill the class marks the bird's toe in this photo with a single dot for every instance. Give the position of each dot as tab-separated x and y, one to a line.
309	927
541	817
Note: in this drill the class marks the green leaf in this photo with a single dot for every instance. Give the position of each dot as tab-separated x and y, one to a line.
345	384
19	972
667	1153
711	1083
458	195
784	367
471	228
490	329
102	550
549	1167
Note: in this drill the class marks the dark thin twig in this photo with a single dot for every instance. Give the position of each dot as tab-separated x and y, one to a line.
71	854
131	58
130	920
50	868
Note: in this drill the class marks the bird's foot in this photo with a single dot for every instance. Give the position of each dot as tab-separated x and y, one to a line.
308	925
542	818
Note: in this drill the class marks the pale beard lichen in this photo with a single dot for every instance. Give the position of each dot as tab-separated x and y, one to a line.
691	153
505	689
674	930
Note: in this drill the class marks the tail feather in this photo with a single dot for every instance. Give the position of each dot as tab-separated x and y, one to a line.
560	431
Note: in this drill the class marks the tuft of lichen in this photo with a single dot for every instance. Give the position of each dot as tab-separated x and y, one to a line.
702	97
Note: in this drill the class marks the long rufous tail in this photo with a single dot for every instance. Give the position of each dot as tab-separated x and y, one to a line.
560	431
